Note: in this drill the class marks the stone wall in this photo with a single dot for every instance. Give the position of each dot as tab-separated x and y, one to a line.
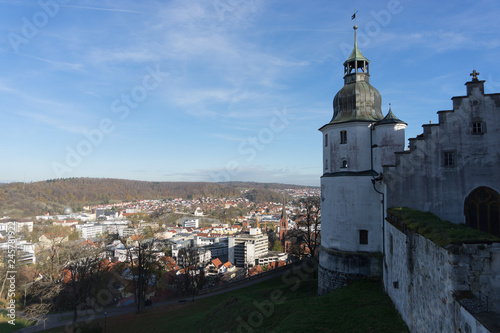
339	268
329	280
438	289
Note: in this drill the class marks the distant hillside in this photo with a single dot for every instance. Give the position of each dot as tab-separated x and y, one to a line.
24	200
271	186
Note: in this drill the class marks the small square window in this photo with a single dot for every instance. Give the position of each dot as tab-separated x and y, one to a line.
363	237
344	164
449	159
477	127
343	137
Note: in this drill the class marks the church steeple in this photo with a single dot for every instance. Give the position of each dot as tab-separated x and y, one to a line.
283	224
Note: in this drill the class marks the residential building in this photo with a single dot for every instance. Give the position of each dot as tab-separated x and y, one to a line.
91	230
19	225
244	249
191	223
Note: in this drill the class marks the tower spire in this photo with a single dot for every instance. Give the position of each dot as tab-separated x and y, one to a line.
355	36
355	28
357	100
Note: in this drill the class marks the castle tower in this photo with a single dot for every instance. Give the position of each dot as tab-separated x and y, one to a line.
352	207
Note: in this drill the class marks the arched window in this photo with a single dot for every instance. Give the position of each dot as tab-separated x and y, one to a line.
482	208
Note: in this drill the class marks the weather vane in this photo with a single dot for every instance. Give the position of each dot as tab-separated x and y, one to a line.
353	17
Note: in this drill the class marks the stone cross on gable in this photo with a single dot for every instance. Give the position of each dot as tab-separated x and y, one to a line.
474	75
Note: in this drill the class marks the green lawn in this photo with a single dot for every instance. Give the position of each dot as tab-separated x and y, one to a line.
277	305
438	231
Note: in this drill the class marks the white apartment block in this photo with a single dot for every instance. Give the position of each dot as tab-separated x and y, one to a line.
272	256
191	223
91	230
245	249
25	252
18	225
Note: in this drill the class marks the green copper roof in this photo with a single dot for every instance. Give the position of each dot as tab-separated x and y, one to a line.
390	118
356	55
357	101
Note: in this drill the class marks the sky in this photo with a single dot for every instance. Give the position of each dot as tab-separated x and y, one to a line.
218	90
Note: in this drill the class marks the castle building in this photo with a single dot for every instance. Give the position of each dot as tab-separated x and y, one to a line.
452	170
356	143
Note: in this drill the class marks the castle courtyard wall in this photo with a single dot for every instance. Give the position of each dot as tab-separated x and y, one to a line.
427	283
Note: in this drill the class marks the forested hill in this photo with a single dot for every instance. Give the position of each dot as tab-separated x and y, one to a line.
29	199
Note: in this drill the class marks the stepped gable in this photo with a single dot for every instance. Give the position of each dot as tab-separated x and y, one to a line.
451	159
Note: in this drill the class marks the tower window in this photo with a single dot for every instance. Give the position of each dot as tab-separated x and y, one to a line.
326	164
344	164
343	137
448	159
391	244
326	140
477	127
363	237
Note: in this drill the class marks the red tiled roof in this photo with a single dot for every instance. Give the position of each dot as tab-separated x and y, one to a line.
136	237
255	270
217	263
66	275
88	242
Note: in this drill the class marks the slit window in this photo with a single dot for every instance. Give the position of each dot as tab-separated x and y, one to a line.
326	140
391	244
363	237
343	137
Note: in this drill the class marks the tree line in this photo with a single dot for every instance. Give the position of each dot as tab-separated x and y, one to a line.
28	199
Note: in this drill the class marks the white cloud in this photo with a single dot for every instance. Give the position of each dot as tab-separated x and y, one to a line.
119	10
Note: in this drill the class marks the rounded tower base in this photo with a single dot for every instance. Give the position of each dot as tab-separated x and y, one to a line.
339	268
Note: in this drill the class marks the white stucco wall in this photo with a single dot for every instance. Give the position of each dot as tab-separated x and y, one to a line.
421	181
350	204
356	151
388	139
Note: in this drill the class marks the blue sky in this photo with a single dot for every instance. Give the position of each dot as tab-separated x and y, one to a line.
218	90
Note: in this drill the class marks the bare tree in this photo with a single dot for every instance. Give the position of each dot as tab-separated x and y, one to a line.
72	275
306	239
83	272
50	247
193	278
144	269
41	296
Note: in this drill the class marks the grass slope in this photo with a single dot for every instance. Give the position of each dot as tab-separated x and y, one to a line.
279	305
5	327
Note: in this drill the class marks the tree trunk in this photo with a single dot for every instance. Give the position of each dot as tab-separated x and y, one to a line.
3	284
75	315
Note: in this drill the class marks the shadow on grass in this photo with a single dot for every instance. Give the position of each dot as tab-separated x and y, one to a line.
277	305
